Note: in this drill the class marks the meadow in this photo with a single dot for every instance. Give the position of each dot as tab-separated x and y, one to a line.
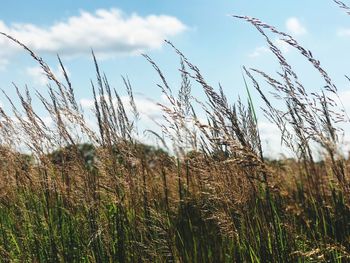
80	194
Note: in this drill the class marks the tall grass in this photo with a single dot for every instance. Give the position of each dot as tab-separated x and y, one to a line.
99	195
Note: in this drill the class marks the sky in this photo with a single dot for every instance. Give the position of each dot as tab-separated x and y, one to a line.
204	30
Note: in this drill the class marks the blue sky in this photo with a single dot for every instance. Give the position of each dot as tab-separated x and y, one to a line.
203	30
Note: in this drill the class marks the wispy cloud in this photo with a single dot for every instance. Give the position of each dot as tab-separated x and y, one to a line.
343	32
271	140
146	107
344	97
295	27
262	50
87	103
38	76
3	63
108	32
258	52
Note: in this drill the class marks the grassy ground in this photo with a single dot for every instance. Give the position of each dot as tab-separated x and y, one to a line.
102	196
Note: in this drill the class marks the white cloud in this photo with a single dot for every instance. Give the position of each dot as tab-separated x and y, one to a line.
341	102
271	140
87	103
295	27
262	50
144	106
108	32
340	105
38	75
345	97
258	52
48	121
343	32
3	63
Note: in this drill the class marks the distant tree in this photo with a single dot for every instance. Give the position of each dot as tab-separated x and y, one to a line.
84	153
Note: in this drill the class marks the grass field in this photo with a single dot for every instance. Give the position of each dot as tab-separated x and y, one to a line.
100	195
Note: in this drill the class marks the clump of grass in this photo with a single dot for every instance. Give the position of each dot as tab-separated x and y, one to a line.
99	195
